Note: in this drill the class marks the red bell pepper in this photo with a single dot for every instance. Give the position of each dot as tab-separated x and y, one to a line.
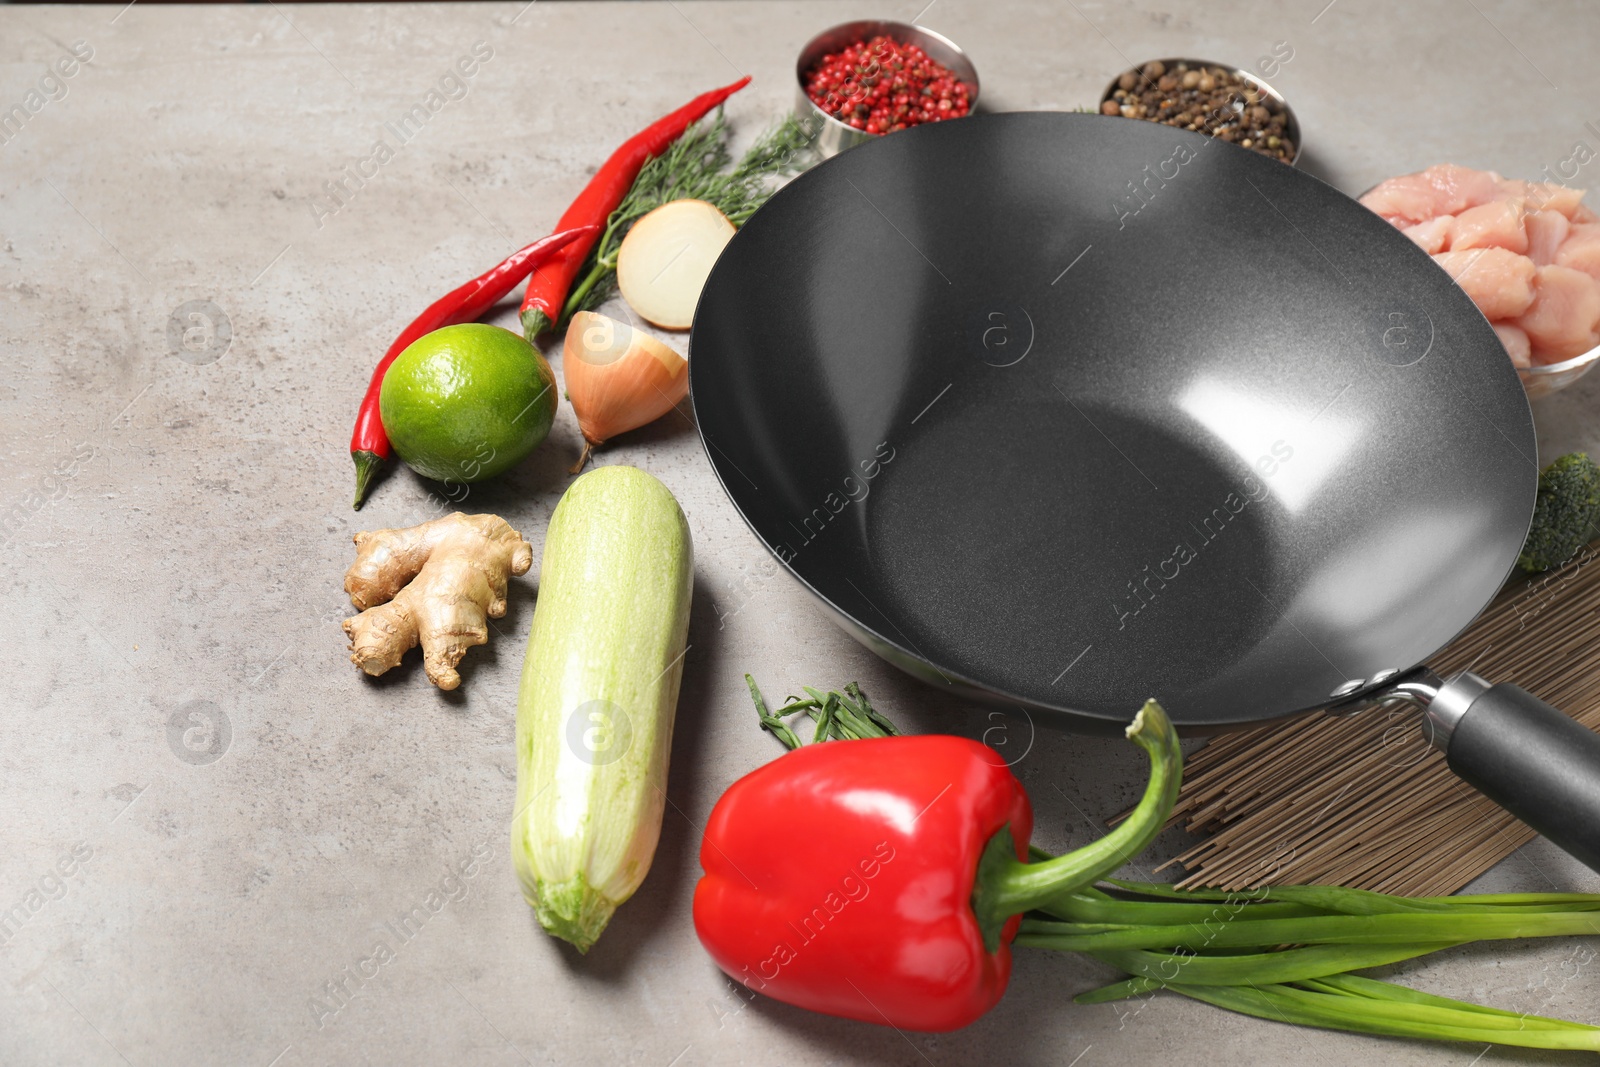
900	904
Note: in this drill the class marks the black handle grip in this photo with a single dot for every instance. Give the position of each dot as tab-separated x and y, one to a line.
1535	762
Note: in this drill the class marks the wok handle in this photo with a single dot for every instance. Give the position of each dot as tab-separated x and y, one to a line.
1537	763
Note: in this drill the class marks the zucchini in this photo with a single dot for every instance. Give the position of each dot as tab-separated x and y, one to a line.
597	698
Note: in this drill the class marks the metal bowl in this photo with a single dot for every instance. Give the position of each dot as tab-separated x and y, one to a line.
1542	380
1291	125
831	135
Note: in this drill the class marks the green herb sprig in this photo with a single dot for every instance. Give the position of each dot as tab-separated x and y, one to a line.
698	166
846	716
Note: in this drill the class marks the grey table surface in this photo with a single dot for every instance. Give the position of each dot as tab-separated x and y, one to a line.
177	521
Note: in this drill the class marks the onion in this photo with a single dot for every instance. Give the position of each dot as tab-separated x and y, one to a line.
665	259
618	378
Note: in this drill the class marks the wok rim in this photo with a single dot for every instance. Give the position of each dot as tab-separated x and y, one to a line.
1074	719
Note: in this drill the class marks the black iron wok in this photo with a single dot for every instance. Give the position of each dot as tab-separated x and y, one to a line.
1063	412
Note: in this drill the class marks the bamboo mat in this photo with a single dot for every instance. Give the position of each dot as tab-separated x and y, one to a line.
1364	801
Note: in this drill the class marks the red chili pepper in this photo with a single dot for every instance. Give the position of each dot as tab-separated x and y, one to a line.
369	445
547	290
898	902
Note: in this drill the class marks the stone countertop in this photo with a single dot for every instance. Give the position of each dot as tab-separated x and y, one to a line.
178	522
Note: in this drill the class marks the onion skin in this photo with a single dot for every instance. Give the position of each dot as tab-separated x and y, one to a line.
617	377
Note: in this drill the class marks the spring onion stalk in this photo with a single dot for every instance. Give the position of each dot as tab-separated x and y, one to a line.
1398	928
846	716
1343	901
1227	948
1257	968
1080	907
1341	1010
1136	986
1357	986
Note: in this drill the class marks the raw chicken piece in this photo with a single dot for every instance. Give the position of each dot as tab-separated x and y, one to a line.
1562	320
1497	224
1516	343
1546	231
1581	249
1459	188
1404	200
1527	253
1434	235
1498	281
1543	196
1444	189
1555	198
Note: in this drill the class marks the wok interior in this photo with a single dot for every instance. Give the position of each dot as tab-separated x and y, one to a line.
1080	411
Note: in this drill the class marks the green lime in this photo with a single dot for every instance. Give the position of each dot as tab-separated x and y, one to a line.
466	402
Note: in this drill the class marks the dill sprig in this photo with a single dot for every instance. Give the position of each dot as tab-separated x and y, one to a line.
698	166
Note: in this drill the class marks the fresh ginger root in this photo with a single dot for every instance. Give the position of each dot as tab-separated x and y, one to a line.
437	583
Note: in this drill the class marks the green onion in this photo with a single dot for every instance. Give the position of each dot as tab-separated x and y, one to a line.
858	699
769	721
1356	986
1394	928
1228	949
1082	908
838	716
1344	901
1129	987
1288	965
1362	1013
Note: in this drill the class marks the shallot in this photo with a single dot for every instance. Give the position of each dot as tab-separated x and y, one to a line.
618	378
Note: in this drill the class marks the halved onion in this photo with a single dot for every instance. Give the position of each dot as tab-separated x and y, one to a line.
665	259
618	378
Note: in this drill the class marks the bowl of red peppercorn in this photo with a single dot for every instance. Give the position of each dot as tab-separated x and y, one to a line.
864	79
1229	103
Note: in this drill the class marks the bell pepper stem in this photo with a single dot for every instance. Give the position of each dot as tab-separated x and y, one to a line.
1006	886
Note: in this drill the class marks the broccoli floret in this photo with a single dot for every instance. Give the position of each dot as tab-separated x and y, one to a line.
1565	515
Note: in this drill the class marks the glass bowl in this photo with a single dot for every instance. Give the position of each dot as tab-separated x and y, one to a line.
1550	378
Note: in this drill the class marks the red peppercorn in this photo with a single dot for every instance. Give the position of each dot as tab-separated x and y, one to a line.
882	85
